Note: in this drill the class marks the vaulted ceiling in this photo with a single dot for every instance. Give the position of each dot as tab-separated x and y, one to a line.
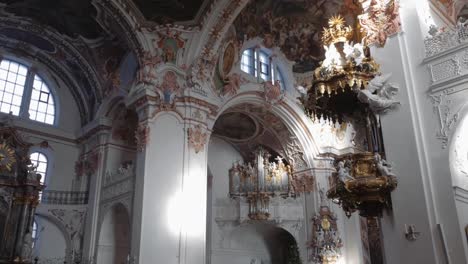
92	38
293	25
170	11
80	38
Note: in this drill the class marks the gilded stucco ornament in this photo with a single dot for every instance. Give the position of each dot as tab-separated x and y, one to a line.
7	157
142	136
272	91
325	244
363	182
197	138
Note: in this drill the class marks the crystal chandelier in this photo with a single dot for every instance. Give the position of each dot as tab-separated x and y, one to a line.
259	181
346	69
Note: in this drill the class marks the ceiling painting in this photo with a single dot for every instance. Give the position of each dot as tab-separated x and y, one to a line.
294	26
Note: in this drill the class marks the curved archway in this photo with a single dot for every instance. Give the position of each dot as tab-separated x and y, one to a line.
57	232
260	243
288	113
245	122
458	150
114	236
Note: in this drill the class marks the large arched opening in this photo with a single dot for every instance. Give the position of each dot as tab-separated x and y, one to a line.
246	123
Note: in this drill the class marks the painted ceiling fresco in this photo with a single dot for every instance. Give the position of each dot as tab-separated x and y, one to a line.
246	126
293	25
168	11
235	126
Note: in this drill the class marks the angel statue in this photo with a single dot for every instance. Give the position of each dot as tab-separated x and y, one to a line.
383	166
332	58
354	52
379	94
343	172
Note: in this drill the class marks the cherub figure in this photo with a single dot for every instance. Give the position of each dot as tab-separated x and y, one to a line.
343	172
383	166
379	94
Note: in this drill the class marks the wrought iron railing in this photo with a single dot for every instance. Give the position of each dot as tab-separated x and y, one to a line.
64	197
446	40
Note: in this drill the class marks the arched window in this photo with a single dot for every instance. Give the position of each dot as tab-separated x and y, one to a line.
258	63
24	93
39	160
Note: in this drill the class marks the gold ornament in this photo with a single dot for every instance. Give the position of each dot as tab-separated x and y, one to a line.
336	31
7	157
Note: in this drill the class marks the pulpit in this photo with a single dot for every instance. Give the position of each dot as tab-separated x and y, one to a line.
20	186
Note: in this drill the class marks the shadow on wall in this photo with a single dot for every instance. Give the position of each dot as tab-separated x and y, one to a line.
273	244
114	237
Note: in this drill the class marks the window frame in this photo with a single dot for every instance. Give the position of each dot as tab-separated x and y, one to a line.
50	162
274	69
32	70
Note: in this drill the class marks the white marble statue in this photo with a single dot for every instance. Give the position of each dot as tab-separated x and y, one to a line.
26	249
343	172
383	167
355	52
379	94
332	58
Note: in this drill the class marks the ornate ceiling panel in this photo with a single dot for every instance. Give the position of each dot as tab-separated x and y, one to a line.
293	25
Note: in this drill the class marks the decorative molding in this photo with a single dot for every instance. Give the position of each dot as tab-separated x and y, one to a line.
446	69
273	93
73	221
293	151
197	138
233	83
461	194
142	136
447	119
442	40
117	189
302	183
380	20
88	164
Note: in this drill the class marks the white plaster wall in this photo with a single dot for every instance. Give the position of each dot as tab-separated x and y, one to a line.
424	196
114	238
51	242
157	186
242	244
62	157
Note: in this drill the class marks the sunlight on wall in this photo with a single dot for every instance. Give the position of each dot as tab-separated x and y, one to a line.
186	210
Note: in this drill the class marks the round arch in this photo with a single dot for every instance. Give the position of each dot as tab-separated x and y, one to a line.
457	146
289	113
64	233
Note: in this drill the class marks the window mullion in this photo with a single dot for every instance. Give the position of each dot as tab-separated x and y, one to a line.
24	110
258	65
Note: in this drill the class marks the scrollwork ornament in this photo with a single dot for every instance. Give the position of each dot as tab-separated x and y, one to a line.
197	138
447	119
142	136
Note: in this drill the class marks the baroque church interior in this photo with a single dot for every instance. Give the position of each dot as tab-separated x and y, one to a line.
233	131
